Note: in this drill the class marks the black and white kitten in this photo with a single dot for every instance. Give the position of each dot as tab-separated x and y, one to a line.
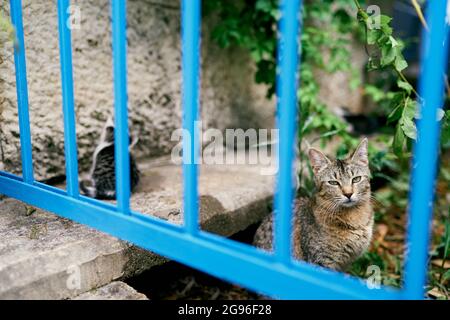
101	181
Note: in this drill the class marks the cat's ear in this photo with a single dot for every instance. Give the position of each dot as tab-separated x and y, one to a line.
107	135
317	159
134	139
109	122
361	155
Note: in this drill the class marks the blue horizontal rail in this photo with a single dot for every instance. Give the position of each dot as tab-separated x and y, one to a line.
273	274
218	256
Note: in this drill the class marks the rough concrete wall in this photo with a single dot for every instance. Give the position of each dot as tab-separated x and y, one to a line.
229	96
335	90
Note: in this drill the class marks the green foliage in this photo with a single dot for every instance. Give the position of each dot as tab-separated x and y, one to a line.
403	108
249	24
359	268
446	130
252	25
328	26
5	27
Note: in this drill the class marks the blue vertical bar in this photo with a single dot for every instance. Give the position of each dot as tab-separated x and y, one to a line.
22	92
434	60
122	158
286	118
190	25
70	144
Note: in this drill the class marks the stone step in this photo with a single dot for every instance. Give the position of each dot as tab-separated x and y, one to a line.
43	256
116	290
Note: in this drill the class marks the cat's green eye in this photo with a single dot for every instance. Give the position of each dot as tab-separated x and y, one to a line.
333	183
356	179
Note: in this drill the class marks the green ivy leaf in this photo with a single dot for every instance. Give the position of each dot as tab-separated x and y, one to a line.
385	20
374	92
409	128
394	43
399	142
388	54
396	105
410	110
395	114
400	64
405	86
373	36
264	5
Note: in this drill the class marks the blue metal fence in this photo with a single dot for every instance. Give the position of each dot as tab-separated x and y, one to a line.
275	274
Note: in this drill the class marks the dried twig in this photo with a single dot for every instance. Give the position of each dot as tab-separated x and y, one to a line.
420	14
425	25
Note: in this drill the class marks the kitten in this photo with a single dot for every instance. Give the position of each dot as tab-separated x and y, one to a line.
334	227
101	181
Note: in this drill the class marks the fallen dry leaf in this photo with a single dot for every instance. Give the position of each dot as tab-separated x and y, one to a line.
436	293
381	231
438	263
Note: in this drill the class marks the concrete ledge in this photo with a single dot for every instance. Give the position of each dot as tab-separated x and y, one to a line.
116	290
43	256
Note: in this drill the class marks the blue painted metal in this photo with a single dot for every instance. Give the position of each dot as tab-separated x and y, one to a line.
275	275
122	158
431	89
190	34
22	92
221	257
70	138
286	118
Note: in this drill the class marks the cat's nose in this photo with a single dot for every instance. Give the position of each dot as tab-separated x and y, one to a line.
348	195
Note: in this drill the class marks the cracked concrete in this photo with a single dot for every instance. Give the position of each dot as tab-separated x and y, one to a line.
116	290
43	256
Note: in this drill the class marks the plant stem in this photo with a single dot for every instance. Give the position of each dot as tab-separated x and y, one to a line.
420	14
399	73
402	76
357	4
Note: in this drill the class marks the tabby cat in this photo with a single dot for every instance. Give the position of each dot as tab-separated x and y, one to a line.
101	181
334	227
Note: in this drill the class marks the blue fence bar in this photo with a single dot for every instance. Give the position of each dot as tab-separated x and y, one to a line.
22	92
122	158
190	21
70	138
431	88
287	119
232	261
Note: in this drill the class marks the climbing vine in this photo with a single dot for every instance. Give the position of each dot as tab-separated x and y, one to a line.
330	26
252	25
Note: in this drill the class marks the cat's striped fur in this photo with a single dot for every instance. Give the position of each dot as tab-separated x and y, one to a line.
101	180
334	227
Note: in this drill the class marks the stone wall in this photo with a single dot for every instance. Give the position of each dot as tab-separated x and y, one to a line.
229	96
